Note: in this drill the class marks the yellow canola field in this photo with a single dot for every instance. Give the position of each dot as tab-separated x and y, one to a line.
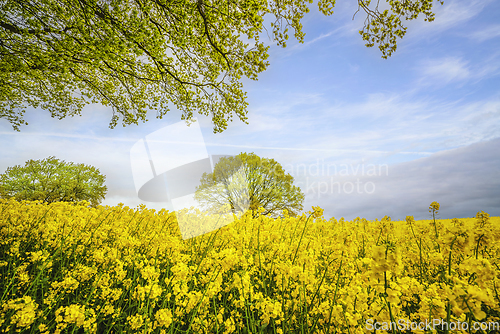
68	268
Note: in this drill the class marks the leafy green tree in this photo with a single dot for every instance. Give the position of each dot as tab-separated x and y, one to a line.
142	55
52	180
249	182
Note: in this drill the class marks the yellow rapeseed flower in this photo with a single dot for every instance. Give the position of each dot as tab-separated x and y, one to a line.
135	321
163	318
25	311
72	314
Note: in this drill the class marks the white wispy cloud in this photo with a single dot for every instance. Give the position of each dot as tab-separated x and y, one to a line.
443	71
490	32
449	15
455	70
336	36
64	135
383	124
337	33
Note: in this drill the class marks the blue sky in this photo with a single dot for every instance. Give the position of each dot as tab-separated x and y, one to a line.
363	136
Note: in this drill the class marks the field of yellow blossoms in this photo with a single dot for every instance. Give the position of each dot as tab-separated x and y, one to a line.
69	268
